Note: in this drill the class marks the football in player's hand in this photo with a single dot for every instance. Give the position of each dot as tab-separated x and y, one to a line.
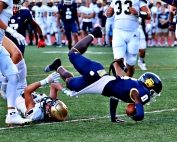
131	110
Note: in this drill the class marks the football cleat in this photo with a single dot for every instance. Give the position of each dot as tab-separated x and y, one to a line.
142	65
54	66
16	119
117	120
97	33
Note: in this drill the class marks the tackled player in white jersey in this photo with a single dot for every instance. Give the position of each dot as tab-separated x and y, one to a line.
125	33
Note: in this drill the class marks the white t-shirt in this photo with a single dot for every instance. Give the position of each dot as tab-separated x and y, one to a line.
87	11
123	19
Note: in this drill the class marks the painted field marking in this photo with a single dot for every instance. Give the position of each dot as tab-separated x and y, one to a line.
84	119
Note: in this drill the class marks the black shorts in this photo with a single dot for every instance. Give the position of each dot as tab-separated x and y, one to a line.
87	26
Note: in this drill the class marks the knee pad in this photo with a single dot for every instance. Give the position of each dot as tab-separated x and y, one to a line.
131	59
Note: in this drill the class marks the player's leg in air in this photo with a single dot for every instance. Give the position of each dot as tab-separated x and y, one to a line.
78	62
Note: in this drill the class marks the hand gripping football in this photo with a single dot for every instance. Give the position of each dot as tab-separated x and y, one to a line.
131	110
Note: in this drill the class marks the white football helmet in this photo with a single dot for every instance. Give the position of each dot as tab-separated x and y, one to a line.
68	2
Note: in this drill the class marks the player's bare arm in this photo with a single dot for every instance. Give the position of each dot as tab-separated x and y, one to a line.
145	12
77	20
27	95
139	106
109	12
58	21
38	29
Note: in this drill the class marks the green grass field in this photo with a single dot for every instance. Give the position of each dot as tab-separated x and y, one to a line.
88	119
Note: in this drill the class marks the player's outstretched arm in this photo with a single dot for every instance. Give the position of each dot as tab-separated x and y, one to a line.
139	107
53	77
41	42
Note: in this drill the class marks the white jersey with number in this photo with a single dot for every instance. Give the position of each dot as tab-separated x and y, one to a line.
5	16
50	12
39	13
123	18
35	113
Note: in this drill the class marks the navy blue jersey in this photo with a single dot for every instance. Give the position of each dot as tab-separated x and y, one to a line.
164	17
68	13
19	22
122	87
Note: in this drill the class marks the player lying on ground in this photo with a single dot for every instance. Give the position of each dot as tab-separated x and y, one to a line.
95	80
35	106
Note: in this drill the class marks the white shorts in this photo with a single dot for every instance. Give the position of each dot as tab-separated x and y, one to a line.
43	27
7	67
125	43
51	26
159	30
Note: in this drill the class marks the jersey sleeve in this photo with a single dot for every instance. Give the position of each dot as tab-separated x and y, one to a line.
60	8
55	9
28	16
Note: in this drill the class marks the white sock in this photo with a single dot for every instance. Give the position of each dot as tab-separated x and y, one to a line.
49	38
56	36
141	59
10	111
20	104
11	89
21	66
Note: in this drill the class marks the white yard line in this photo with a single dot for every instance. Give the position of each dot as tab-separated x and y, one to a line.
85	119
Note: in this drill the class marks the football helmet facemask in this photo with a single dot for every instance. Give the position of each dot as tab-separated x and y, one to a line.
68	2
55	109
153	83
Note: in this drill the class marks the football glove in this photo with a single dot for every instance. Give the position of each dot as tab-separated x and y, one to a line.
41	43
68	92
21	39
53	77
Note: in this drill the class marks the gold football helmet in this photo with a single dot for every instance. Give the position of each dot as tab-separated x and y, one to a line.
58	110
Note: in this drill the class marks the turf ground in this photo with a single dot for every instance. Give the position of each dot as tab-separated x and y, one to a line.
88	119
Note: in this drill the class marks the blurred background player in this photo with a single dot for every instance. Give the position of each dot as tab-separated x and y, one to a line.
163	23
87	14
79	12
39	10
67	12
96	5
172	23
126	44
109	25
19	22
50	13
